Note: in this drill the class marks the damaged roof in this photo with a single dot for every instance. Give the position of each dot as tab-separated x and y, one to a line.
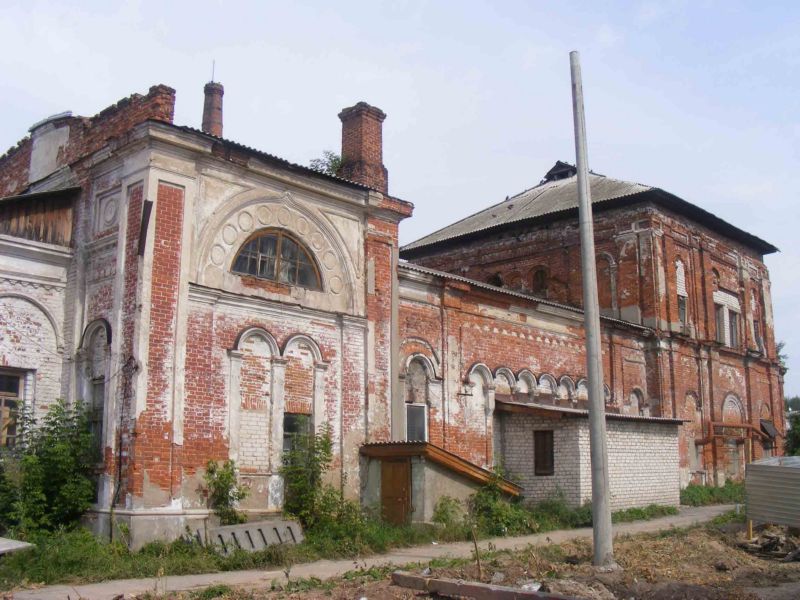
557	196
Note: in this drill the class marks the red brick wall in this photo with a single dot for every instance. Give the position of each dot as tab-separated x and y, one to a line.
156	456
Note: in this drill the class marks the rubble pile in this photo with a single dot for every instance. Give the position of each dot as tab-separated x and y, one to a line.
775	543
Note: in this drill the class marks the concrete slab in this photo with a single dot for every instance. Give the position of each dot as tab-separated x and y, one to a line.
8	545
327	569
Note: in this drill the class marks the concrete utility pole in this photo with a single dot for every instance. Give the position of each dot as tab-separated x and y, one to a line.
601	507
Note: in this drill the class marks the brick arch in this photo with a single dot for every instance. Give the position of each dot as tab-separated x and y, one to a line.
528	380
238	218
504	374
733	410
59	345
245	334
412	347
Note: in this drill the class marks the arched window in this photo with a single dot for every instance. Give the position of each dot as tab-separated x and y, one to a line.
680	287
277	256
416	396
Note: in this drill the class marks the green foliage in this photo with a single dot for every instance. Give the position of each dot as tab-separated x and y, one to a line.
224	492
792	441
492	514
792	403
219	590
448	512
303	468
703	495
330	163
731	516
47	479
653	511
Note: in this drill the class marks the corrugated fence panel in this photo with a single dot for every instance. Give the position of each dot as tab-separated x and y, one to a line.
772	488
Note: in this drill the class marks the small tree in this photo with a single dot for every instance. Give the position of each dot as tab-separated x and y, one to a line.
47	480
792	442
330	163
224	492
303	467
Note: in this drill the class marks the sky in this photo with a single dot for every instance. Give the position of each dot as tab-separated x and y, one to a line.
700	98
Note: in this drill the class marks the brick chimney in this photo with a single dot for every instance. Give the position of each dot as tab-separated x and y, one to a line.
362	146
212	108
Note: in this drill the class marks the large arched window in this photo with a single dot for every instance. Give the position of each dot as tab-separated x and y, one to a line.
275	255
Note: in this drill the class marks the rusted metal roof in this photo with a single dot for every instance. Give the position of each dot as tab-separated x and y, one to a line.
579	412
442	457
553	198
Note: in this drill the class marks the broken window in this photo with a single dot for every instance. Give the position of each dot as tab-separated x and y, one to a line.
10	400
277	256
295	426
543	459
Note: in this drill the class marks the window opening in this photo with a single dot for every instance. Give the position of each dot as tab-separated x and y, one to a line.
295	425
543	459
276	256
10	399
416	423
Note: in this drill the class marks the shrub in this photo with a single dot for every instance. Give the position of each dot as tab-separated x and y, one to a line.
492	514
47	479
303	467
224	493
701	495
792	442
448	512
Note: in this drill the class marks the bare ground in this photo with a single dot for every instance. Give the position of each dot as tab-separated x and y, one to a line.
700	563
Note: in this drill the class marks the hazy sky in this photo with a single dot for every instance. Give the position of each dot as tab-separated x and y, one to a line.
700	98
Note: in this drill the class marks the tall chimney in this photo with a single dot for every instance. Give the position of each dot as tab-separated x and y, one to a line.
212	108
362	146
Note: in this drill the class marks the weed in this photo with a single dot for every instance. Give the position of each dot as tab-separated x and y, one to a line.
215	591
224	493
703	495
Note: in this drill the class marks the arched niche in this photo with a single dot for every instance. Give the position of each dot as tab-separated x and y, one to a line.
242	216
526	386
548	388
566	389
733	410
504	383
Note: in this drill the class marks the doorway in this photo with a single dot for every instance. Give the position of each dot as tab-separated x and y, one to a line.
396	491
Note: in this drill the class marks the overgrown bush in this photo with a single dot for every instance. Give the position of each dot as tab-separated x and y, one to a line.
224	492
701	495
303	468
493	514
47	479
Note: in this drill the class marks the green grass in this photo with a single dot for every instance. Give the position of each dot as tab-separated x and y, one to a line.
78	557
704	495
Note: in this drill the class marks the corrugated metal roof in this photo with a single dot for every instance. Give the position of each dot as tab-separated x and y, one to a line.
265	155
487	286
546	198
560	196
580	412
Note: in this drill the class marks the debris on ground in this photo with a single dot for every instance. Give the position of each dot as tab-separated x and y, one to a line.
774	542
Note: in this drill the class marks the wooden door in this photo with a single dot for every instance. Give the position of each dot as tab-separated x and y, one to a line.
396	490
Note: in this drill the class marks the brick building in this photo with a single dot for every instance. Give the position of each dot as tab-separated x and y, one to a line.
201	296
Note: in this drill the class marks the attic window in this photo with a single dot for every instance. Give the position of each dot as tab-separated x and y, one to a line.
276	256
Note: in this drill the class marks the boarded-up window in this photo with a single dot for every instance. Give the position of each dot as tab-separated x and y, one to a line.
543	452
680	278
